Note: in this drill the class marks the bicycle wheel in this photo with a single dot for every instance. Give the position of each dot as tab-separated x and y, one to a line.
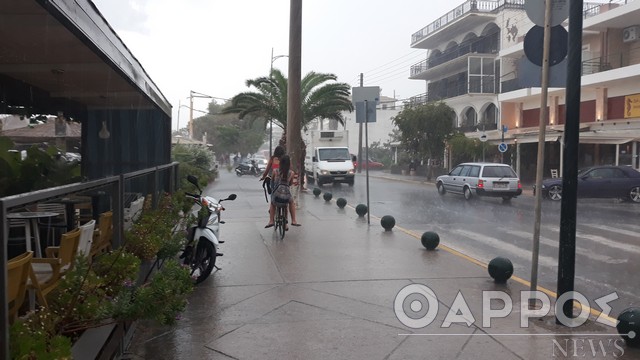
282	220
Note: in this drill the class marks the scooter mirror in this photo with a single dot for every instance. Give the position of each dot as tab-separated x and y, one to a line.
232	197
192	179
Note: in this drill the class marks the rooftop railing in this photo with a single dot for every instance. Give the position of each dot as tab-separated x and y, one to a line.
590	9
471	6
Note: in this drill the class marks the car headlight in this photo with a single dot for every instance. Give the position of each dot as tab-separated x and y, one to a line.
324	172
543	186
351	172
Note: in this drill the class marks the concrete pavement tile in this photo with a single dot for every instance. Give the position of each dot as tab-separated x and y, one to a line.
431	347
204	302
180	343
308	339
375	292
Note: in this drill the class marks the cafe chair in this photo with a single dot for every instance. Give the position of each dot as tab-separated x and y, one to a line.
18	270
46	272
86	238
133	212
59	222
102	236
16	244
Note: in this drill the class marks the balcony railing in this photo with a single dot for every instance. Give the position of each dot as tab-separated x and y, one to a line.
466	128
591	66
456	53
471	6
475	6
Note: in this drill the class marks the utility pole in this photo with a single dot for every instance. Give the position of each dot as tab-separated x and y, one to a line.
294	105
567	246
360	135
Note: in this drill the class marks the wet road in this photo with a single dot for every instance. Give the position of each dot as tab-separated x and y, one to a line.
607	238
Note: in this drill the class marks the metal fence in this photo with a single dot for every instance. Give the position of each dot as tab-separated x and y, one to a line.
106	194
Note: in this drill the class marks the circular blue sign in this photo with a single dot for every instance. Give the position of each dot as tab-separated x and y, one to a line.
503	147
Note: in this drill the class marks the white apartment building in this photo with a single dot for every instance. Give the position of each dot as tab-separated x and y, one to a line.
473	63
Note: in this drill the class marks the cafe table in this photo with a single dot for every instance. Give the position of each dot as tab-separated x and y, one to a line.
30	224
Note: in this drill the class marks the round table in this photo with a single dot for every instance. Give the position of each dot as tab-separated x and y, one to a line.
32	223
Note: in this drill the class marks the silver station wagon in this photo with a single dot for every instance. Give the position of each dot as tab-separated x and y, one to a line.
481	179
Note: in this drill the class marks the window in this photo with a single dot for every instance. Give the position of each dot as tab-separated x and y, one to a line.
482	75
498	171
475	171
456	171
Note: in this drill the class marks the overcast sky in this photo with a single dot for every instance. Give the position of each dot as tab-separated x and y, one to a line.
214	46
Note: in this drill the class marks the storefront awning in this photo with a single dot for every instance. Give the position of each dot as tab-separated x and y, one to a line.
606	140
528	139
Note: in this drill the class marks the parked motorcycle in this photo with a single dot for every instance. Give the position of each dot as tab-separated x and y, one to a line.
203	238
248	168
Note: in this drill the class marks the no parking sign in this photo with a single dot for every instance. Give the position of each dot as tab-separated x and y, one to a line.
503	147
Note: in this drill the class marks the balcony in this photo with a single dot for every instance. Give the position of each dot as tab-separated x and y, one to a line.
483	11
592	67
450	88
456	57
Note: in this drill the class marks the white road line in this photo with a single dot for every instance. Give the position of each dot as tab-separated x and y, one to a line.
602	241
554	244
503	246
632	234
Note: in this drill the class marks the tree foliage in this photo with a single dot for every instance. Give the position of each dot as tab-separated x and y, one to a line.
227	132
464	149
423	129
320	100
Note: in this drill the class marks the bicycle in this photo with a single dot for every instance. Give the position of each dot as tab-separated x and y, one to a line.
280	221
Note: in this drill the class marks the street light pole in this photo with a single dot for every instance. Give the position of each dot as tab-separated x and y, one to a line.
195	94
273	58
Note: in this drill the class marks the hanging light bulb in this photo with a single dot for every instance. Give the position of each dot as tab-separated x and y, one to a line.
104	132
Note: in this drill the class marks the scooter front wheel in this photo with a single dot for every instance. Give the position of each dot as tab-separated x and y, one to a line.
203	261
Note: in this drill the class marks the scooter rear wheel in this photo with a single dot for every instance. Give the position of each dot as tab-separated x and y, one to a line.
203	261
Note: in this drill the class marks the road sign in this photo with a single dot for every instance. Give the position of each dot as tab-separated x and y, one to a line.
505	128
365	93
535	11
503	147
533	44
483	137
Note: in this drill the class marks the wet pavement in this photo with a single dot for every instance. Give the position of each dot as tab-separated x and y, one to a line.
327	291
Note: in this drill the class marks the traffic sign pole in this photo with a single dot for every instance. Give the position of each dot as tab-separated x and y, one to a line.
541	144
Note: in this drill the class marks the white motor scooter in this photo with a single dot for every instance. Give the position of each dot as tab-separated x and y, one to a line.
203	238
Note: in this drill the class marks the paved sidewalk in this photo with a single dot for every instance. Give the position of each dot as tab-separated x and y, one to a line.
327	291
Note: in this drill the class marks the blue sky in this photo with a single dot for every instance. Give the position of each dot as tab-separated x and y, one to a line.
214	46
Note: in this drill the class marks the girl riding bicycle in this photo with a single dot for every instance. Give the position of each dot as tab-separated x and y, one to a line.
283	178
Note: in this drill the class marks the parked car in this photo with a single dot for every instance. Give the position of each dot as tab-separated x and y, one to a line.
481	179
599	182
372	164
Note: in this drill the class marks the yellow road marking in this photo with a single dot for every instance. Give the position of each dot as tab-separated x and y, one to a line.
518	279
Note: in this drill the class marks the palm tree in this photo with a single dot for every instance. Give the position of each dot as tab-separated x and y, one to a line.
320	100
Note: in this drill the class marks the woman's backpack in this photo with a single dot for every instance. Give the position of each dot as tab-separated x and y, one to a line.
281	193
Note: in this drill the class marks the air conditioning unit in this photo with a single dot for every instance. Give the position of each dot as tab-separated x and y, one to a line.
630	33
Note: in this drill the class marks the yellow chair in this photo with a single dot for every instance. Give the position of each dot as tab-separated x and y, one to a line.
46	273
18	270
102	236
